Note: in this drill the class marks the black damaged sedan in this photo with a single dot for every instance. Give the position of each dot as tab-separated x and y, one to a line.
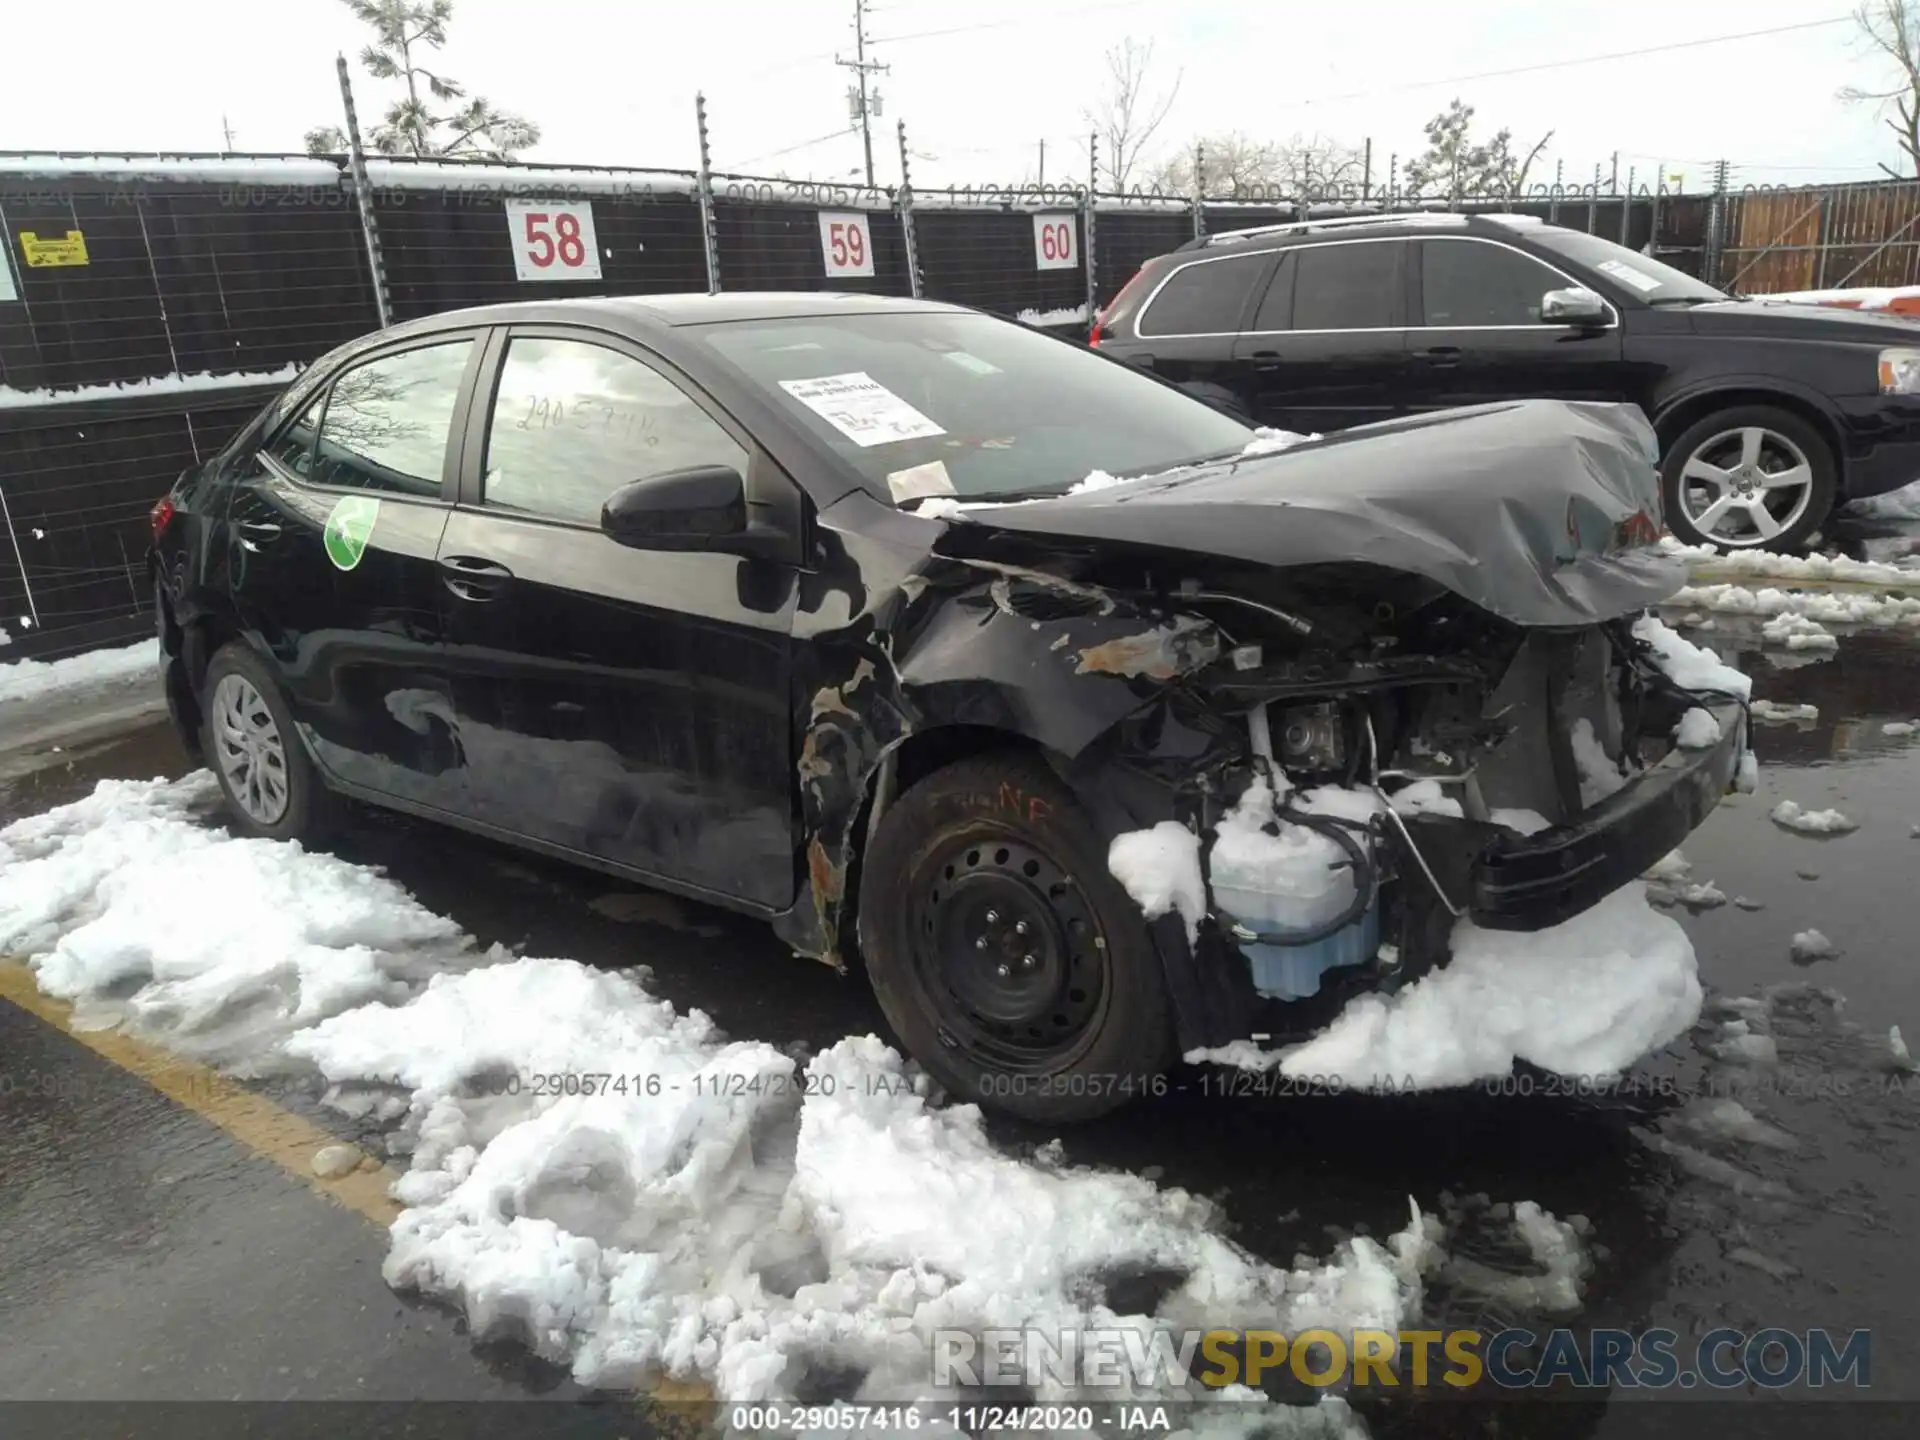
782	602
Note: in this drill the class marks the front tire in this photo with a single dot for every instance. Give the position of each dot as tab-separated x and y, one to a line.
271	788
1752	477
1010	962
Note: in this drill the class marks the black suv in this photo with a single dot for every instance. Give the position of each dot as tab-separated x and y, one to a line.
1768	414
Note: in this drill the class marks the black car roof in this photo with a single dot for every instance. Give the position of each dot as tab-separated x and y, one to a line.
683	309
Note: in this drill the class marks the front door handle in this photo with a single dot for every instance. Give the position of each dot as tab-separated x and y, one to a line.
1265	359
472	578
1441	356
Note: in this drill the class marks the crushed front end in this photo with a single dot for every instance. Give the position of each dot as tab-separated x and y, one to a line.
1388	760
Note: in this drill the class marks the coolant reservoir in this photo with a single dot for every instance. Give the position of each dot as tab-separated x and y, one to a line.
1275	878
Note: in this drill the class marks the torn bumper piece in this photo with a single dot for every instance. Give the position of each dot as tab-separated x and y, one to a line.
1530	882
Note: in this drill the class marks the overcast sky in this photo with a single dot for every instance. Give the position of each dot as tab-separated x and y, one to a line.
612	81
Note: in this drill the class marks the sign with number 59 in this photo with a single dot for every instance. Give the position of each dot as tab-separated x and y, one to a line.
553	239
1056	242
845	244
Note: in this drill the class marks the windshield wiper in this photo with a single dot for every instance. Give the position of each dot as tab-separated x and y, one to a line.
1685	299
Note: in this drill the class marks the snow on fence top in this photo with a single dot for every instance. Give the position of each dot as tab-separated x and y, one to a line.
11	399
217	169
1901	299
485	177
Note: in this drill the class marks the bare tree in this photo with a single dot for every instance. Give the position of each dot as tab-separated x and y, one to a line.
1127	116
1892	27
1237	167
470	130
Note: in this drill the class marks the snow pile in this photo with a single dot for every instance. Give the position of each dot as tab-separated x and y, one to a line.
1697	730
1790	816
1065	315
1670	868
1824	607
1587	997
92	669
680	1204
1160	868
1897	728
1688	665
1772	713
1808	946
1554	1245
1901	504
940	507
1728	1119
220	946
1797	632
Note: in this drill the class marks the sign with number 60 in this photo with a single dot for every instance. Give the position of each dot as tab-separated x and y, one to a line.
553	239
845	244
1056	241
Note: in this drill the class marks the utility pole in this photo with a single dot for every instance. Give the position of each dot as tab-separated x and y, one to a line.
227	130
1043	161
862	105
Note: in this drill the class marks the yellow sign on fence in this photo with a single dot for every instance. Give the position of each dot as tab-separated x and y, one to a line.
70	249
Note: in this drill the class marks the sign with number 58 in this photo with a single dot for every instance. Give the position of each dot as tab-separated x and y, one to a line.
553	239
1056	242
845	244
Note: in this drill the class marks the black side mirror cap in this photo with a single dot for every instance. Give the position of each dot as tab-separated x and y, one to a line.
703	507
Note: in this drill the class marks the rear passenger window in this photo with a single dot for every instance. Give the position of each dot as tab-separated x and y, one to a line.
1471	282
1347	287
1206	297
1276	306
386	422
573	422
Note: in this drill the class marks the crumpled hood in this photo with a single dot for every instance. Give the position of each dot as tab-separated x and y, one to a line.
1543	512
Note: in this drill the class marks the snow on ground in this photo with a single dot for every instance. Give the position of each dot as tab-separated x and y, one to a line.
1810	945
1587	997
1797	632
1066	315
1689	666
698	1208
1822	607
127	665
1898	728
1771	712
1790	816
1768	565
1901	504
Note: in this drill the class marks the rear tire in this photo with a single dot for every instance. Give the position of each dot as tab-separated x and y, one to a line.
1718	479
1012	965
246	733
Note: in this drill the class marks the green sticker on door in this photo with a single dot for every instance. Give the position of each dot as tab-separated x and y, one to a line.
349	526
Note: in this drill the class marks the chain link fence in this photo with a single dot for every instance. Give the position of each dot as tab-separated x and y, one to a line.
149	304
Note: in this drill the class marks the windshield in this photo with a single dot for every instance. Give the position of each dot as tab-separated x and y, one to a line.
934	403
1637	274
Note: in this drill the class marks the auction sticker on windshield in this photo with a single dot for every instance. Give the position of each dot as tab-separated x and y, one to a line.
1627	275
861	408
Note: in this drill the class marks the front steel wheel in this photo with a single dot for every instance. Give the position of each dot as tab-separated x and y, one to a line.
1008	960
1748	478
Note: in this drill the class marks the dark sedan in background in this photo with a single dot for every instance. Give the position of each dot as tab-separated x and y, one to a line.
1768	415
643	583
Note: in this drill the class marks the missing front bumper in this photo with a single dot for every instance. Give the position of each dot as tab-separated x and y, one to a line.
1530	882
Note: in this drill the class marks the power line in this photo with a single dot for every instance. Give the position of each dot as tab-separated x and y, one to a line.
776	154
1577	60
1003	24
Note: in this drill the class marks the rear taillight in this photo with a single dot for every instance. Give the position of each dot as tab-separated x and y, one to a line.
161	515
1116	306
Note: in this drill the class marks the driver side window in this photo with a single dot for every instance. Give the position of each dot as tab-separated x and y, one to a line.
574	421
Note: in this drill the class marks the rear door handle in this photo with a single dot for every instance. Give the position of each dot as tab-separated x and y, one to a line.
1265	359
252	531
472	578
1441	356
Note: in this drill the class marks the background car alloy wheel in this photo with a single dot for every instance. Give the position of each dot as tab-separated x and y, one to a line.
1746	487
247	744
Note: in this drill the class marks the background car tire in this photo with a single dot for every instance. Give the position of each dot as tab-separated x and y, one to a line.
1784	423
310	810
1000	835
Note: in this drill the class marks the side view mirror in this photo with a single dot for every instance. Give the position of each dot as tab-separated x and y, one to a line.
1572	307
703	507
